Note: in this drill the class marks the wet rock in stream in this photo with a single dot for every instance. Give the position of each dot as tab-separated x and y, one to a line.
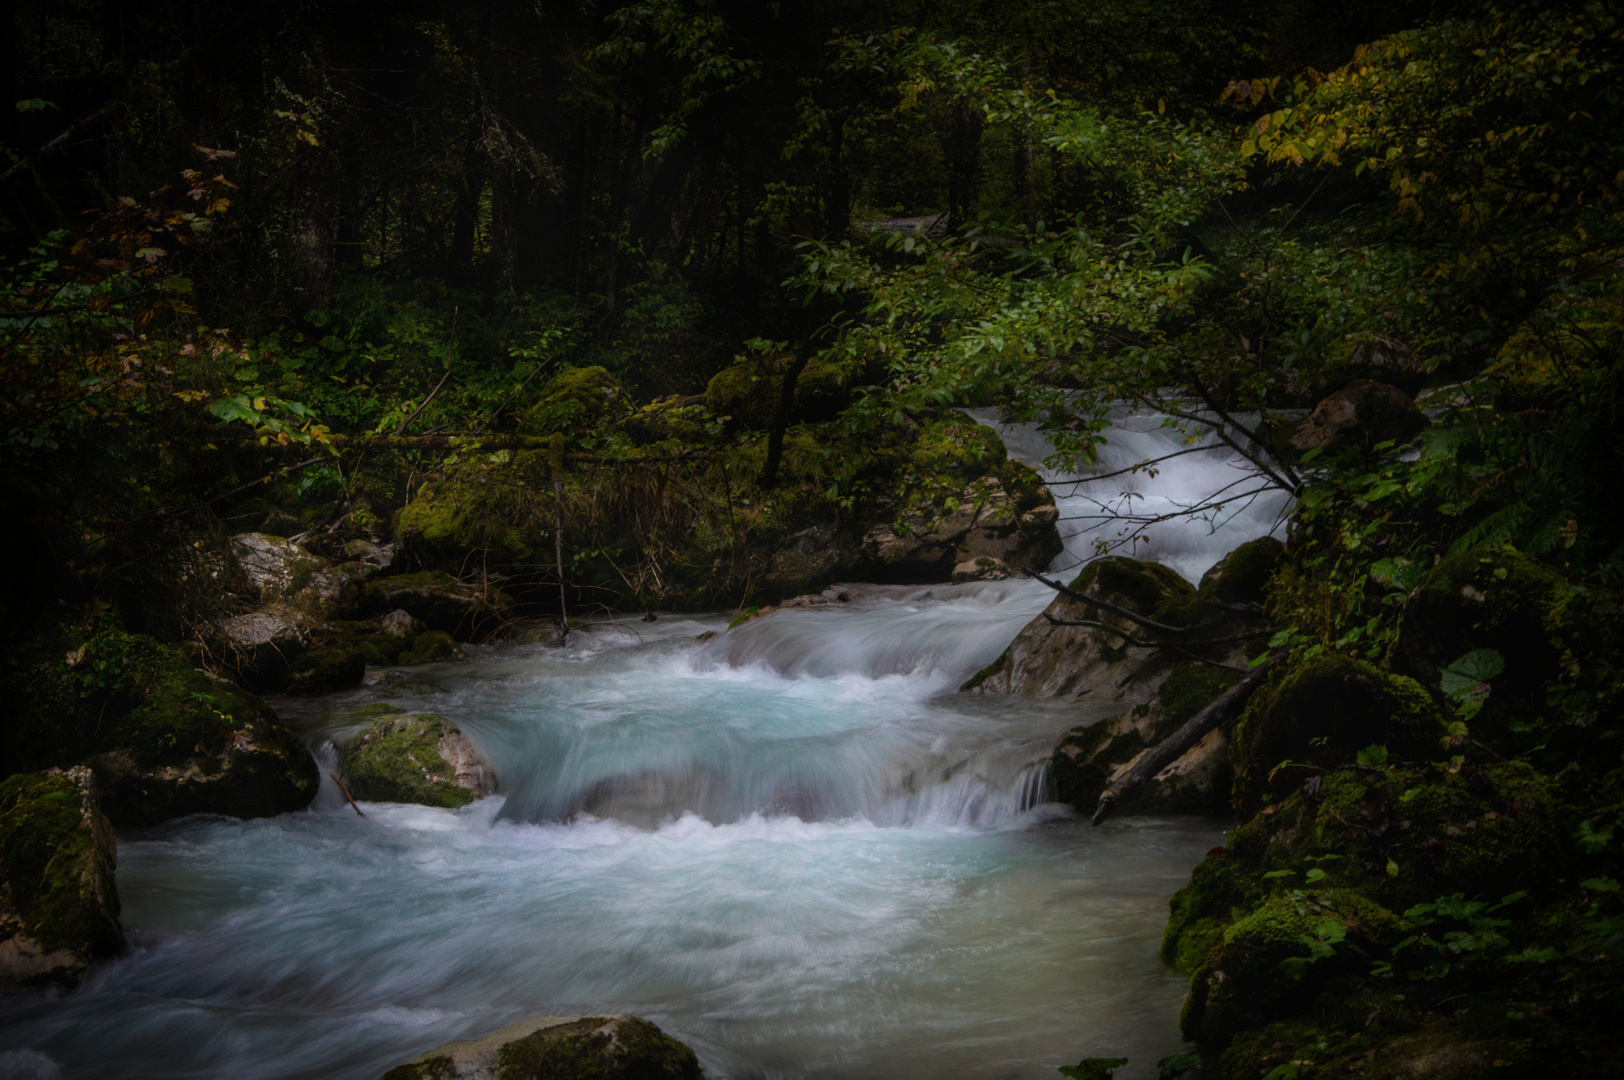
416	758
559	1048
58	902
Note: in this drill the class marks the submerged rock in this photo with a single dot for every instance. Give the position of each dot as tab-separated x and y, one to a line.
614	1047
416	758
163	738
58	901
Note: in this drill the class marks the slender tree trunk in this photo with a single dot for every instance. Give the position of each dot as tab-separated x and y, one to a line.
964	166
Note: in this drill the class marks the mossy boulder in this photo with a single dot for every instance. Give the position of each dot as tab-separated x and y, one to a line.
58	900
1419	832
330	666
559	1048
1361	414
416	758
1246	978
749	391
1320	714
430	646
1051	660
1242	576
1485	598
575	400
163	738
442	602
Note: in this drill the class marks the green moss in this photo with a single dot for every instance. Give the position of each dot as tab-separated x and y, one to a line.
1481	831
397	759
1221	885
49	856
77	693
1241	984
1189	688
578	1051
749	392
478	505
574	401
440	600
1320	715
1142	586
435	1068
323	670
987	672
429	646
1242	576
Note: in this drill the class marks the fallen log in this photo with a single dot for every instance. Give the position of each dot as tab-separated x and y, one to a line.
1220	711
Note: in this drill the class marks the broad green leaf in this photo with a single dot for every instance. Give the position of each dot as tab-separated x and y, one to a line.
1468	678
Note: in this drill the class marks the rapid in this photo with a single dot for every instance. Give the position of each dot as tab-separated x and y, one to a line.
793	846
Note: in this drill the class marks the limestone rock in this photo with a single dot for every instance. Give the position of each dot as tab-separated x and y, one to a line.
614	1047
834	594
1103	661
441	601
984	568
262	645
370	556
416	758
58	901
286	575
1088	758
928	542
1363	413
1074	661
399	622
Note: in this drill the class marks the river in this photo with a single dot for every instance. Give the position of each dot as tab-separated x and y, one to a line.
792	846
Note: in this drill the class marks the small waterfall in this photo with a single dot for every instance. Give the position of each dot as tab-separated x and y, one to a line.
1232	505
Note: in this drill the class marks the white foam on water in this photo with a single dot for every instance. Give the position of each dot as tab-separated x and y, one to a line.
791	846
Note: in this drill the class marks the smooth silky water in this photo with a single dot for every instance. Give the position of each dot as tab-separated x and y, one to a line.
793	846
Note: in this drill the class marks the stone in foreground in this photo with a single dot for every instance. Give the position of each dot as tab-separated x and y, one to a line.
416	758
58	902
559	1048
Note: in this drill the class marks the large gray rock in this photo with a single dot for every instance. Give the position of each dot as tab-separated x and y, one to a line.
1099	662
1111	658
58	901
261	646
289	577
613	1047
416	758
1363	413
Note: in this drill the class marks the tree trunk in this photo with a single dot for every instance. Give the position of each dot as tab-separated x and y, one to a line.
964	166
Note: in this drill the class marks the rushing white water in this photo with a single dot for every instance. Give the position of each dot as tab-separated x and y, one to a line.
791	846
1232	505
